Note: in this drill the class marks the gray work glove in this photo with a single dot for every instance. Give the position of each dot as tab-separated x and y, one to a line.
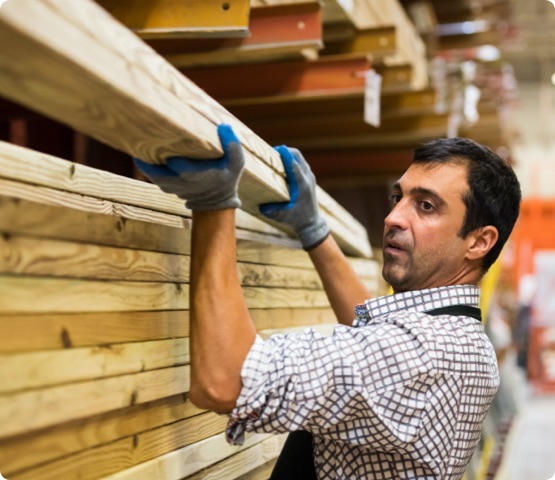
301	212
205	184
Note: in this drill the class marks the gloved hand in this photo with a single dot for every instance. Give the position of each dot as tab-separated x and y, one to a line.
301	212
205	184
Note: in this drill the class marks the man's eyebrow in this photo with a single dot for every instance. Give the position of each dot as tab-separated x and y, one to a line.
422	192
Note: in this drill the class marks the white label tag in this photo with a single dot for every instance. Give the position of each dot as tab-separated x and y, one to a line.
372	93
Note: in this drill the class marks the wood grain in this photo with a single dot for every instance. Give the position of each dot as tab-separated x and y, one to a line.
23	255
36	168
58	295
72	330
106	459
243	462
43	369
49	444
53	367
35	409
186	461
140	104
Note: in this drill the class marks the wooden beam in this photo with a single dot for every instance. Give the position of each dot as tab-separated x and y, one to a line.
175	18
20	413
327	75
186	461
291	30
71	437
71	365
246	462
123	94
114	457
68	330
23	255
111	224
51	295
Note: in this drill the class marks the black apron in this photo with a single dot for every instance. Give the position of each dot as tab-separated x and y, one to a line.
295	462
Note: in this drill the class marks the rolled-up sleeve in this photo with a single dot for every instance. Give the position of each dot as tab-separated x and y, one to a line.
338	386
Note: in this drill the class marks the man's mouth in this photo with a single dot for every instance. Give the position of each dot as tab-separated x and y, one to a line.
393	247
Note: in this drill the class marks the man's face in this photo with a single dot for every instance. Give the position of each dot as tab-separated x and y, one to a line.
422	246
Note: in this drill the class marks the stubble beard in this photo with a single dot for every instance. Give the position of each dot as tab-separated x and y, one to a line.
396	272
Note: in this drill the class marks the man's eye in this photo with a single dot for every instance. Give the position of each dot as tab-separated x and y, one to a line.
426	206
395	198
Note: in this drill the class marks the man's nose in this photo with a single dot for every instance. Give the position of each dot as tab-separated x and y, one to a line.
398	217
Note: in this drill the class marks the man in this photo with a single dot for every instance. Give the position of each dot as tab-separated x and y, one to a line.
401	391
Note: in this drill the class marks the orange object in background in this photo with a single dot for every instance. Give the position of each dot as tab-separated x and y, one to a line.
535	230
534	256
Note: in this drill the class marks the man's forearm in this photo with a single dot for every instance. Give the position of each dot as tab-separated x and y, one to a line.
342	285
221	332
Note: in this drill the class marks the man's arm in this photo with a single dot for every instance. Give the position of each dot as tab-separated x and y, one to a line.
343	287
222	332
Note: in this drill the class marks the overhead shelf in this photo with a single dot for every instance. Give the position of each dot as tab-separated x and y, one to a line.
178	19
275	32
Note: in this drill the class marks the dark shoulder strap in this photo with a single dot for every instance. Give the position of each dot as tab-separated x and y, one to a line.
464	310
296	461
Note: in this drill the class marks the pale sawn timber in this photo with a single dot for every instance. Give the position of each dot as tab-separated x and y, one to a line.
91	72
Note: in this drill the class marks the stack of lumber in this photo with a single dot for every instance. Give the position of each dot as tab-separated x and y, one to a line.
94	320
94	267
407	62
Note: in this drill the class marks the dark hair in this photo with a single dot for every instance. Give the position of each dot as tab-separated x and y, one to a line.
493	196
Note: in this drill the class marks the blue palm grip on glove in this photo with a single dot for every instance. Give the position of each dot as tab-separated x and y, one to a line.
205	184
301	212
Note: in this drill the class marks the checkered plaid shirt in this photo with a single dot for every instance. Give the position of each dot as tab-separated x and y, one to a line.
400	395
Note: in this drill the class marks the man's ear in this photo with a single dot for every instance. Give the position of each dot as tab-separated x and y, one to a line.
482	241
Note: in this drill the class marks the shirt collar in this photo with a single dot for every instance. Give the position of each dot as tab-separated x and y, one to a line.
419	300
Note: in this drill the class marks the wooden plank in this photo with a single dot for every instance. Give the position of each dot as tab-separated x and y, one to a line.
69	330
139	94
99	222
113	457
173	18
126	91
263	471
122	225
36	409
29	166
42	369
71	437
48	368
291	30
243	462
186	461
55	295
324	75
22	255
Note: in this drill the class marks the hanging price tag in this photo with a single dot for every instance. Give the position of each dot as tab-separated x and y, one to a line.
372	93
